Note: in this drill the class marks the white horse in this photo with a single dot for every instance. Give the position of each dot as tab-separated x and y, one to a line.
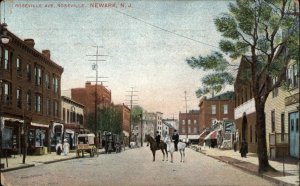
171	148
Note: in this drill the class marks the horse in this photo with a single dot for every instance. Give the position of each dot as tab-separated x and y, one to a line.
153	146
180	146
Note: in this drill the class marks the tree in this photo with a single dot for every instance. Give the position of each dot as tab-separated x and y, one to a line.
261	31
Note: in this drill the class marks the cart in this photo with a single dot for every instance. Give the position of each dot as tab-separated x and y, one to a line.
86	143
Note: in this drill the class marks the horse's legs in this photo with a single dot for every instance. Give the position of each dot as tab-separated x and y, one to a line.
183	155
162	150
171	157
180	155
153	152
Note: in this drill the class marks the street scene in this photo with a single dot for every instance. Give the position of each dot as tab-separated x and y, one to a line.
135	167
97	92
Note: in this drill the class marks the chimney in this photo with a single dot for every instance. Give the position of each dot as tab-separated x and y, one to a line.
46	53
88	83
29	42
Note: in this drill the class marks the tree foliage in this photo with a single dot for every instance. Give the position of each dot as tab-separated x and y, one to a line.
136	113
265	33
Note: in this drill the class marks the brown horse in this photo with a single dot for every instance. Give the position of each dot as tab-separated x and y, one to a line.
153	146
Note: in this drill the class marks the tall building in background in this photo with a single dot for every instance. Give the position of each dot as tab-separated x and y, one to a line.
189	126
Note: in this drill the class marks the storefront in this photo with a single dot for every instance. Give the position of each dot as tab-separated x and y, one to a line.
56	136
38	138
11	140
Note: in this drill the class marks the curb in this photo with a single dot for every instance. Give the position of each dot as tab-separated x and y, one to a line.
269	178
59	160
17	168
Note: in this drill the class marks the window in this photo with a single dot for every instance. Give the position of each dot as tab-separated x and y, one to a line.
47	81
275	90
195	122
189	129
225	109
19	67
28	71
273	120
195	130
6	92
189	122
6	59
55	84
213	109
55	107
292	73
38	103
282	127
183	122
28	100
19	98
38	75
183	130
48	107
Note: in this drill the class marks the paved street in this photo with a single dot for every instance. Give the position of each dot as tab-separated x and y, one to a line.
135	167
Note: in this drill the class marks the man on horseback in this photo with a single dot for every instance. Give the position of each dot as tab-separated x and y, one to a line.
175	137
157	139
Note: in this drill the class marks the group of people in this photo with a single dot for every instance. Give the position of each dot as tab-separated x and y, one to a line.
62	148
175	138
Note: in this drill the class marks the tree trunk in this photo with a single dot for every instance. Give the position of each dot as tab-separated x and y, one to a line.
263	161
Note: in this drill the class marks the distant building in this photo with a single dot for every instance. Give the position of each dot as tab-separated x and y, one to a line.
72	118
149	123
126	114
91	95
189	126
30	92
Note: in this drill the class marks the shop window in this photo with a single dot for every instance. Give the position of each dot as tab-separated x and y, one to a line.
7	136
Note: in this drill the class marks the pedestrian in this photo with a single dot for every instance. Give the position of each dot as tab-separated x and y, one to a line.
175	137
235	146
157	139
244	148
58	148
66	147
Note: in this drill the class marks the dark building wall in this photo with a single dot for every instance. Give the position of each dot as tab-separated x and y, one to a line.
184	125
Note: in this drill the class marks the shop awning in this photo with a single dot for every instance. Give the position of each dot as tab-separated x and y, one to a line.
202	133
12	119
211	135
39	125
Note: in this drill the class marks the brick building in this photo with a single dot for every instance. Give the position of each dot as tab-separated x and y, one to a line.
189	126
126	114
30	95
244	112
218	108
89	95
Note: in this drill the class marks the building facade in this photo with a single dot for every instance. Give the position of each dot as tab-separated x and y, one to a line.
189	126
244	112
126	114
72	114
91	96
30	95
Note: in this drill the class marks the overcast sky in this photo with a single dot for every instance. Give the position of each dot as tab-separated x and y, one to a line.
147	43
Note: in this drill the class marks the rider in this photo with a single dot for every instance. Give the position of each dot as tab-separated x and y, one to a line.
157	138
175	137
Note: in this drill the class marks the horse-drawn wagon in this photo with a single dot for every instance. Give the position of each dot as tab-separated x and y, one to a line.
86	143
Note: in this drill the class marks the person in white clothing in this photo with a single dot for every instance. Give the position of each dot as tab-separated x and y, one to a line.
66	147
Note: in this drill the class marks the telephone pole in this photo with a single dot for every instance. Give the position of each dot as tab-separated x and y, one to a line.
132	102
95	67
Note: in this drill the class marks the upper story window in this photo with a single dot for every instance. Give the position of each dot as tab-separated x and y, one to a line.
19	98
28	72
225	109
6	65
38	103
5	92
48	107
183	122
55	108
55	84
38	75
28	100
19	66
195	122
47	81
189	121
213	109
292	73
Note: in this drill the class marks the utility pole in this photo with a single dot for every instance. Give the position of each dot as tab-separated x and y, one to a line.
132	95
95	67
187	132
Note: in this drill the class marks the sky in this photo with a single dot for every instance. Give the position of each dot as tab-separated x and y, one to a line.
144	43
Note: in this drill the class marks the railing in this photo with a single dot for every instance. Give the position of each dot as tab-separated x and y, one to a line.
278	139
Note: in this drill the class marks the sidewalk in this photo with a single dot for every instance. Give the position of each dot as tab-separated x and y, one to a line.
288	173
15	162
